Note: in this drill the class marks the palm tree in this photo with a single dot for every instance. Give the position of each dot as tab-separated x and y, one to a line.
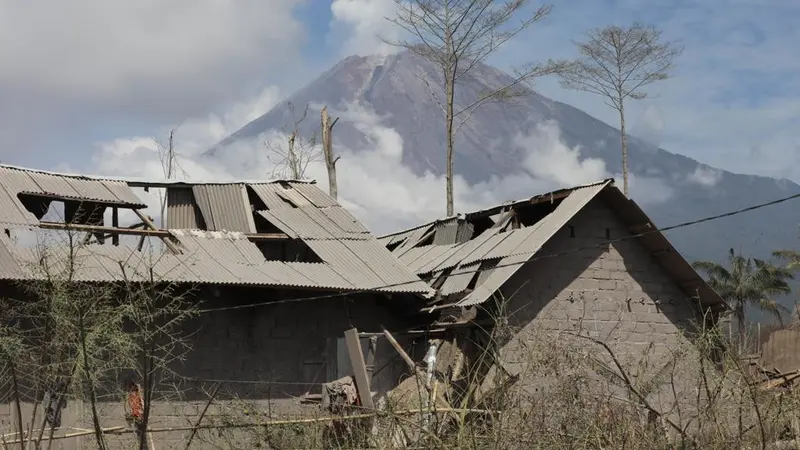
792	258
747	281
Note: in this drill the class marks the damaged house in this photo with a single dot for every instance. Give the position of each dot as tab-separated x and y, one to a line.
280	269
584	261
298	296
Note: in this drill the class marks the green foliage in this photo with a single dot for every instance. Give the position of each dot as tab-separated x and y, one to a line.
747	281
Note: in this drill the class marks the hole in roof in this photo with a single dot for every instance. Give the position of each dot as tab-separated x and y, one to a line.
287	250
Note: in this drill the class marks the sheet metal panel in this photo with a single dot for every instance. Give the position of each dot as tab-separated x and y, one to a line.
465	250
12	211
268	193
486	270
284	274
295	197
545	230
435	259
511	244
295	222
16	181
488	245
459	279
9	267
393	274
123	192
54	185
182	211
345	263
446	232
465	232
93	190
411	241
344	220
322	274
505	269
272	218
225	207
317	216
314	194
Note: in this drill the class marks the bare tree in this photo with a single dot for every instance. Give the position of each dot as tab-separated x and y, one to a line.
169	166
618	63
292	160
458	35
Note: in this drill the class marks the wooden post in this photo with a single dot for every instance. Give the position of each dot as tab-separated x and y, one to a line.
403	354
359	367
327	150
146	220
115	224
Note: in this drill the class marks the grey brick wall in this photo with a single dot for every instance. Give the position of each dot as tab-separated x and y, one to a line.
616	293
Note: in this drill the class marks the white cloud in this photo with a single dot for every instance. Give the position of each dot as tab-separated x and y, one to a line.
117	51
360	25
372	181
705	176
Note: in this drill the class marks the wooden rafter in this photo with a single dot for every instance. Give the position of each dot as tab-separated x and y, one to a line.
143	231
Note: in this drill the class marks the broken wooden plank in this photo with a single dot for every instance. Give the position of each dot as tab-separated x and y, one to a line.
359	367
403	354
146	220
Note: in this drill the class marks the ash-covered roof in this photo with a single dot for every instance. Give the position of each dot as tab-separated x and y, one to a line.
280	233
472	266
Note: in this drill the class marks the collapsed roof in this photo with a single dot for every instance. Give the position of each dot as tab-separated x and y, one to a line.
468	258
280	233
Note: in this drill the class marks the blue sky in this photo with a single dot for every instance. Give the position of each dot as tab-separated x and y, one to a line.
89	72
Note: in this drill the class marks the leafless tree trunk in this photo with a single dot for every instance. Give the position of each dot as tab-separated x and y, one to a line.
293	160
327	150
457	36
617	63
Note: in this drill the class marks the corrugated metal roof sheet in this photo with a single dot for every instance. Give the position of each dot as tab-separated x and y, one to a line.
446	233
12	211
225	207
293	196
465	232
9	267
182	211
220	245
296	222
544	230
394	275
268	193
459	279
346	221
314	194
345	263
353	259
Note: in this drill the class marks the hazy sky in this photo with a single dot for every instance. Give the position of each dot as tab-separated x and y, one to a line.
86	84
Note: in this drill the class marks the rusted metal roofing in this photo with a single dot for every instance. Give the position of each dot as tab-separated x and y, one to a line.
225	207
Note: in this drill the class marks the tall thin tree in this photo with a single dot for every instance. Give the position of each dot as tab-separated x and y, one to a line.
457	36
618	63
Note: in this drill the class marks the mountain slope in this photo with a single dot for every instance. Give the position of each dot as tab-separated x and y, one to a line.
394	87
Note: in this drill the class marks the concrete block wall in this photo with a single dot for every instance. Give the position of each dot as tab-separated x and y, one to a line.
616	293
265	358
